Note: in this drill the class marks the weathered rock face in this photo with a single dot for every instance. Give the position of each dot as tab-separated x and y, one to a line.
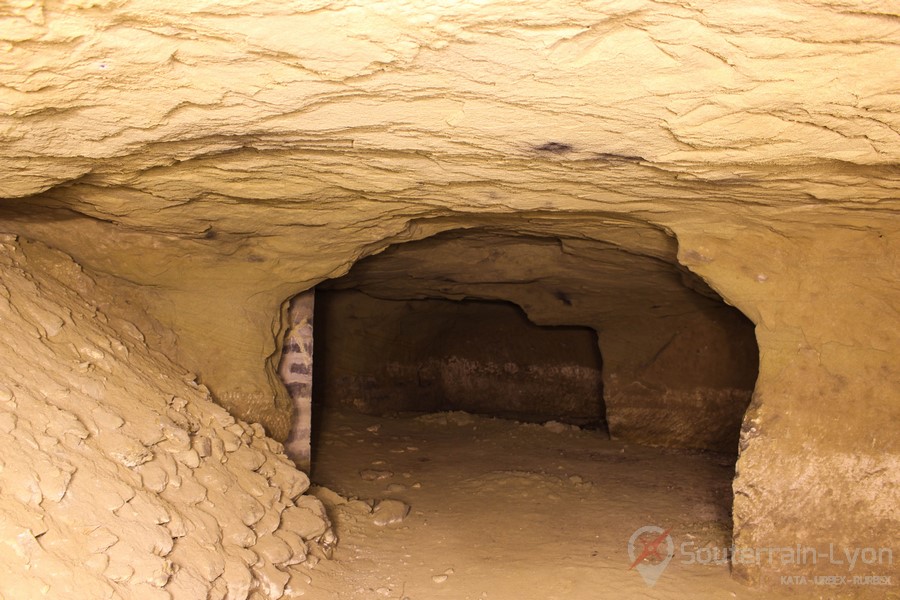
224	159
120	478
380	356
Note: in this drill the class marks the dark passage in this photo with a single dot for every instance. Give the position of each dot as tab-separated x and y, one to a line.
511	326
417	344
399	356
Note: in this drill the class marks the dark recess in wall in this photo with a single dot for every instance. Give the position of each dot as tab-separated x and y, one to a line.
397	356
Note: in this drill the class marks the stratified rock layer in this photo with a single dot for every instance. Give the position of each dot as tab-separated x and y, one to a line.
120	478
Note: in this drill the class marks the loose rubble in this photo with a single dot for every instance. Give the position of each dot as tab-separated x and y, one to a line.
120	477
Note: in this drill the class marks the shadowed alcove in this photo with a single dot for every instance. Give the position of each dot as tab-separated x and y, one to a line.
480	319
484	357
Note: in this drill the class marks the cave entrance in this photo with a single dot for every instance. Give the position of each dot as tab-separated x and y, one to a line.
421	348
679	364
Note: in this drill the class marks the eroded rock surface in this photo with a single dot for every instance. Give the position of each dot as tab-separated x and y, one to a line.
223	159
120	477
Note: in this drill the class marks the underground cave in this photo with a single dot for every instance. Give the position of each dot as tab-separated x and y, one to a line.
449	300
678	364
419	380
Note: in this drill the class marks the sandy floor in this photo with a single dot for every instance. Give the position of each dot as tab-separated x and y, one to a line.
509	511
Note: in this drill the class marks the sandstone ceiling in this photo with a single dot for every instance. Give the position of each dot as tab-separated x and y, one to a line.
556	281
383	98
220	157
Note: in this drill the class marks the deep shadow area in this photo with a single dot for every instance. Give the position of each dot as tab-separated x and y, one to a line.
400	356
404	332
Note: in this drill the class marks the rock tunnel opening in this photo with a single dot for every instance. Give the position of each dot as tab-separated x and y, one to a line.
469	363
449	322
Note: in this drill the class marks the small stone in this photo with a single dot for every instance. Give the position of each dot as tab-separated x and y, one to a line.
218	449
247	458
273	549
97	563
100	540
359	506
125	450
375	475
202	445
297	586
272	580
557	427
306	519
215	480
269	522
176	525
178	438
118	571
389	512
249	508
238	578
189	490
230	440
54	483
239	534
299	548
439	578
291	481
327	496
188	458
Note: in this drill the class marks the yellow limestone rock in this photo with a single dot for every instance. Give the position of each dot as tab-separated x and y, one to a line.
95	511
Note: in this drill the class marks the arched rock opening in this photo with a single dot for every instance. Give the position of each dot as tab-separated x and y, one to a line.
679	365
434	325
